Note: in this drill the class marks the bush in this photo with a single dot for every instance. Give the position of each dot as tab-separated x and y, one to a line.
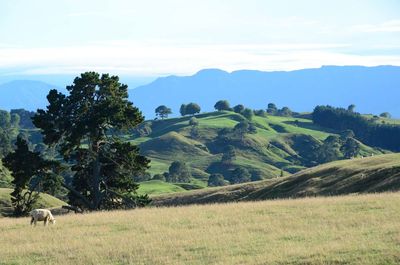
238	108
178	172
216	180
159	177
240	175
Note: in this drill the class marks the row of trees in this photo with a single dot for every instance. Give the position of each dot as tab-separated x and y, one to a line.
366	130
163	111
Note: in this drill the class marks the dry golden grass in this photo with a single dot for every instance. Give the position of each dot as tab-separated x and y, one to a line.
336	230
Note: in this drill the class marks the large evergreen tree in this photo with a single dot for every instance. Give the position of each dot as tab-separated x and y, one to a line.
85	125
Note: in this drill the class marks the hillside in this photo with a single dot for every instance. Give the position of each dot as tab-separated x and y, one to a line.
371	89
360	229
363	175
279	146
45	201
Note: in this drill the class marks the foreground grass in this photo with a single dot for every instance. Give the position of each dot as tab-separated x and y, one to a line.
336	230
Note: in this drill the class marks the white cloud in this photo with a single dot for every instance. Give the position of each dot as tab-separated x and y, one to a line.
157	58
388	26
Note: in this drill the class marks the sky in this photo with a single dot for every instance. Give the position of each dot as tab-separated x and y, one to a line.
163	37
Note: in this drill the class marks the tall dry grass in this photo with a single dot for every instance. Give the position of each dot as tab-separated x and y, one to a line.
337	230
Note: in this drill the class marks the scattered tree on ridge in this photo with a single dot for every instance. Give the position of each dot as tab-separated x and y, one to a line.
385	115
272	109
192	109
163	111
238	108
351	108
222	105
182	110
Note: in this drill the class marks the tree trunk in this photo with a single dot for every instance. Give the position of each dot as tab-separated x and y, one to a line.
96	180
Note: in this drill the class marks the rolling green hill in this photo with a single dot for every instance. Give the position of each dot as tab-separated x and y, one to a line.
362	175
45	201
279	146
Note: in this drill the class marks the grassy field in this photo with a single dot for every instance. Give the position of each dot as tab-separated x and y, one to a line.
154	187
336	230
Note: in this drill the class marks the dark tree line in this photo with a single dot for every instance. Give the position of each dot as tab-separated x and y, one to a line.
379	135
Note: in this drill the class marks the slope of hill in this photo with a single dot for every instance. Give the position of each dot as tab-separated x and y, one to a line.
371	89
280	145
45	201
363	175
26	94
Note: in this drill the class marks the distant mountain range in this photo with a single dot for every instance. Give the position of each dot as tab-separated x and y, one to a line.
371	89
25	94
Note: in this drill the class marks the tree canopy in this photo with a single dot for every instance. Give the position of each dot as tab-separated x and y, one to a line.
163	111
222	105
83	125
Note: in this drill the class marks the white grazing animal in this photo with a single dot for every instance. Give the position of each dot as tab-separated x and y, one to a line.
42	215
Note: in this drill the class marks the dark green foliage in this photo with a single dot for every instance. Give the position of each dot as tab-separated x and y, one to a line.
285	111
256	175
96	110
189	109
229	155
216	180
163	111
240	175
346	134
260	112
25	118
141	176
178	172
330	150
351	108
238	108
378	135
5	142
385	115
272	109
193	121
159	177
144	129
9	126
252	128
192	108
5	119
222	105
248	114
194	130
25	165
351	148
182	110
241	128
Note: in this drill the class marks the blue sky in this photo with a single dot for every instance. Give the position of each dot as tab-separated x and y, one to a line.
153	38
